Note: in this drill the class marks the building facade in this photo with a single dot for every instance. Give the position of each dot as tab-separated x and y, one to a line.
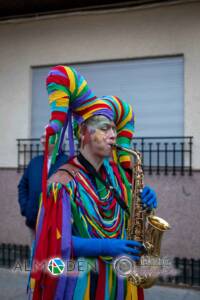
128	38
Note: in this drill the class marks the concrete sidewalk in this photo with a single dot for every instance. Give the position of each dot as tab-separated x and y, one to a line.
171	293
13	287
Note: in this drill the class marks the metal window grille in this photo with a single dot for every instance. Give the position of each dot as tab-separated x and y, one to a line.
160	154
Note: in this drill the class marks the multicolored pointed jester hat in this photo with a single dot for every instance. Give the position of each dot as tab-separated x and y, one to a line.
70	98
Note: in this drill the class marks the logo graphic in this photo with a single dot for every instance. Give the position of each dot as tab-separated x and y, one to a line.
123	266
56	266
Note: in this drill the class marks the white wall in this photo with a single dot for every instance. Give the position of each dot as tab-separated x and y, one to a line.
160	31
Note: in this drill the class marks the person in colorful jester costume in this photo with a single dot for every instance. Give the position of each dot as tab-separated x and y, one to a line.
85	208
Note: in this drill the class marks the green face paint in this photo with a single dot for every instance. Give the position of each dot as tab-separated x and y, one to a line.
101	123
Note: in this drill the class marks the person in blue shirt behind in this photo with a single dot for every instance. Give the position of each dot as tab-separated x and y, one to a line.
30	184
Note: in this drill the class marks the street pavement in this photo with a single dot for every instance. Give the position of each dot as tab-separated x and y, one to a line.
13	287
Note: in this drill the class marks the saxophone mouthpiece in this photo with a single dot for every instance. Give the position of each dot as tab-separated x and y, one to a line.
128	150
117	146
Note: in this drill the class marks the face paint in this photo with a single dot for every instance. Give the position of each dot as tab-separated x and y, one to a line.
100	122
98	137
100	134
86	138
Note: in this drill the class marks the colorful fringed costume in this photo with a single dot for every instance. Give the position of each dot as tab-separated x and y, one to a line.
82	205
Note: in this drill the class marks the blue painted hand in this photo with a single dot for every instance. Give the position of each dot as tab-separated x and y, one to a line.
93	247
148	197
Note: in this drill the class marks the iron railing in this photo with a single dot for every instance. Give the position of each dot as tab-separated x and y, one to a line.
188	273
12	254
17	257
160	154
165	154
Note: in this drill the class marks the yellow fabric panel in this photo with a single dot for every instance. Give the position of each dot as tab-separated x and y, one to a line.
72	79
83	84
114	152
62	102
110	279
55	191
32	283
131	291
58	235
87	292
124	158
80	108
57	95
128	118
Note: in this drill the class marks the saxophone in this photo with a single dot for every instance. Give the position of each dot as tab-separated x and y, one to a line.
143	226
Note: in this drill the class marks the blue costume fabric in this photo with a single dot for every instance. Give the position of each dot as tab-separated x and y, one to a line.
30	187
